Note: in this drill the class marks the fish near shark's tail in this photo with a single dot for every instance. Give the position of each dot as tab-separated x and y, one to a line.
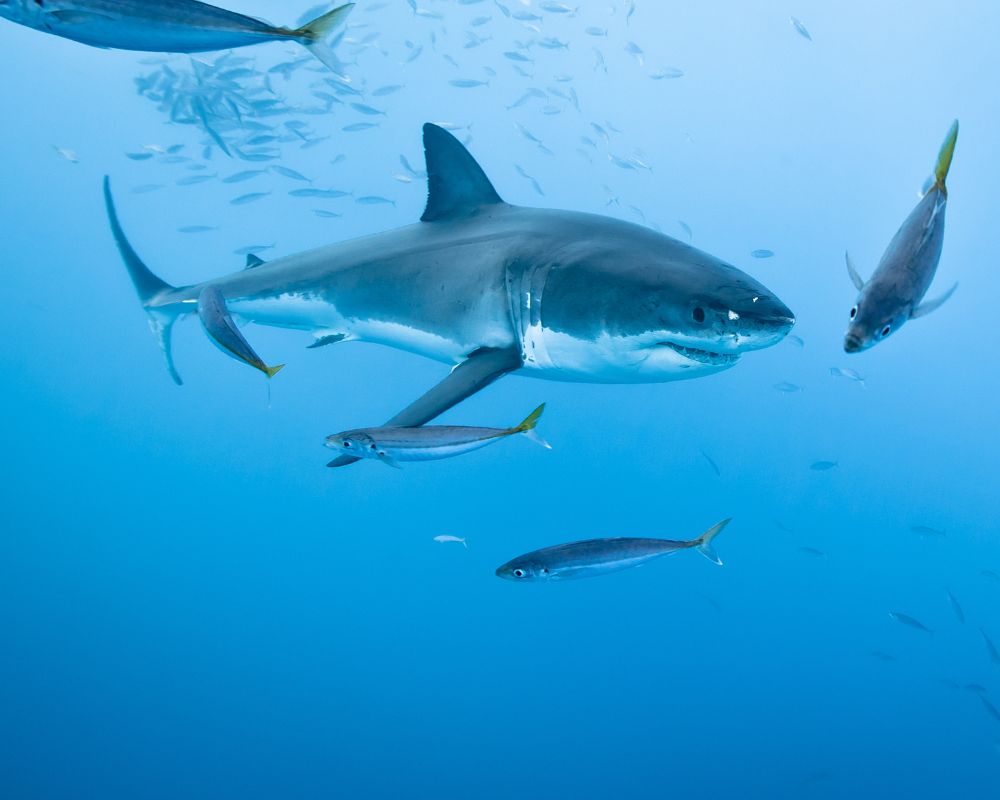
148	286
945	156
703	544
319	39
527	427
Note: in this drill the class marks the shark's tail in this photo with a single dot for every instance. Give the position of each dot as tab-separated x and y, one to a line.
148	286
703	543
320	39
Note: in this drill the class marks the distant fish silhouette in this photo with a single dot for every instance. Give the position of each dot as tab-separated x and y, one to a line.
909	621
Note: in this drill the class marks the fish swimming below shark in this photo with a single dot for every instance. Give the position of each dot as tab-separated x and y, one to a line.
170	26
894	293
594	557
492	289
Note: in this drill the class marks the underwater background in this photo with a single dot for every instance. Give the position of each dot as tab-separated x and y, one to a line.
194	606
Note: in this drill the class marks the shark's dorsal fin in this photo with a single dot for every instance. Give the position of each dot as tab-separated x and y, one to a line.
456	184
253	261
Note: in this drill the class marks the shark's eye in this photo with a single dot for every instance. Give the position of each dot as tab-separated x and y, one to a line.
854	312
885	330
518	573
347	443
698	314
374	447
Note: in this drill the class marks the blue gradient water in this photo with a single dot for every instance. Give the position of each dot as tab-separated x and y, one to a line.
193	606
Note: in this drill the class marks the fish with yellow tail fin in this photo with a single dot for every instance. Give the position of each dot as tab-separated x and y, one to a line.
895	292
221	329
170	26
593	557
429	443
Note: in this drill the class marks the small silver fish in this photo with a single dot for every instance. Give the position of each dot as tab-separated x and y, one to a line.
169	26
787	388
959	613
847	372
909	621
428	443
445	538
762	253
800	28
223	332
991	648
822	466
594	557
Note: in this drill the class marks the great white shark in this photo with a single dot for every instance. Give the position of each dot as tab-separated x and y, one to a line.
492	288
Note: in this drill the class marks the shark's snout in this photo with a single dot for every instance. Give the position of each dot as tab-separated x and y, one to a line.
852	344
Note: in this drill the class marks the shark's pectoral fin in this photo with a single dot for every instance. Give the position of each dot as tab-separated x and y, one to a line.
456	184
477	372
928	306
859	284
388	460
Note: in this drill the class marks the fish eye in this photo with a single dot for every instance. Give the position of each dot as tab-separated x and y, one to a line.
698	314
886	329
854	312
373	447
347	443
518	573
545	570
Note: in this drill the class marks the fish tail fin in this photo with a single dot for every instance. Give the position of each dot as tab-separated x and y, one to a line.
272	371
527	427
703	544
944	157
317	37
148	286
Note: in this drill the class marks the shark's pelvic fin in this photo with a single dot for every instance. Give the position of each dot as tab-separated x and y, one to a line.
456	185
859	284
928	306
147	285
477	372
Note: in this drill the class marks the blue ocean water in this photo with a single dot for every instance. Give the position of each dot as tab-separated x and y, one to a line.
195	607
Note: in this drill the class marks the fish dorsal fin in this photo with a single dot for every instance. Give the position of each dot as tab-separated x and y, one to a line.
253	261
456	184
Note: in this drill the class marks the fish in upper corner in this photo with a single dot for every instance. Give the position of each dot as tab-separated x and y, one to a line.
593	557
390	445
170	26
909	621
223	331
444	538
894	293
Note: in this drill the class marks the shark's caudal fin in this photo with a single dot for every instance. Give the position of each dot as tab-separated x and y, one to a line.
147	285
945	156
318	38
456	185
703	543
528	427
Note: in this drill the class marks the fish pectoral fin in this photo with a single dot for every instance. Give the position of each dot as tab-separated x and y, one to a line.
928	306
479	370
388	460
859	284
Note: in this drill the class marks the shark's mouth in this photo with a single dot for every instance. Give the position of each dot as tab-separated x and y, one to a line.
706	357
